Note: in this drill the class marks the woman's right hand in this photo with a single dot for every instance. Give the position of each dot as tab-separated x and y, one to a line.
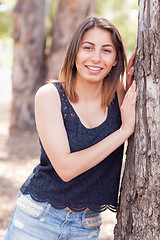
53	135
130	71
128	109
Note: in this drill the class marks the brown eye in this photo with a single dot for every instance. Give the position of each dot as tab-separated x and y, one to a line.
88	47
106	50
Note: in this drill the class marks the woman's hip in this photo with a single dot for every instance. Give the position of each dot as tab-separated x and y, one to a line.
34	220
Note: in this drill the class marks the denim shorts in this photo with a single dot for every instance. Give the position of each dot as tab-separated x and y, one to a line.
34	220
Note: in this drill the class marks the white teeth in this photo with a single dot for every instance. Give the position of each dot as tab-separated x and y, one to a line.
94	68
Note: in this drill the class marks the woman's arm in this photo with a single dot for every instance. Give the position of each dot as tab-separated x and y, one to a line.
53	135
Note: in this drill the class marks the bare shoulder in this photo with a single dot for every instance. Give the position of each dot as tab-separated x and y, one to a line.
47	89
47	92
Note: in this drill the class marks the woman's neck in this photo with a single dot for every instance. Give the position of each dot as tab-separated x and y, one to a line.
88	91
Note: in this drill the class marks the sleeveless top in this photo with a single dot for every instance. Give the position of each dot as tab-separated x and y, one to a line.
96	188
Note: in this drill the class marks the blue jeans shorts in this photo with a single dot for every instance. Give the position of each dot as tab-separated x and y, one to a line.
34	220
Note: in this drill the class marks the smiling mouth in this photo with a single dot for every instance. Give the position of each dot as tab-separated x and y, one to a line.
94	68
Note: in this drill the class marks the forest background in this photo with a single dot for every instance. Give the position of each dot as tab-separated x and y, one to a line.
123	14
19	161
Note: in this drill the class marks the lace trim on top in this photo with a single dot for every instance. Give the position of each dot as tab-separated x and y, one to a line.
73	207
96	189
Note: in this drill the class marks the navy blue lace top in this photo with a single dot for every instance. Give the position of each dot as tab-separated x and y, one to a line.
97	188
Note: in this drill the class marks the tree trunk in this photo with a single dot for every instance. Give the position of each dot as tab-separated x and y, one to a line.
138	216
69	14
29	68
29	42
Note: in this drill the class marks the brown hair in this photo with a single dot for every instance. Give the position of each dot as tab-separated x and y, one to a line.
68	70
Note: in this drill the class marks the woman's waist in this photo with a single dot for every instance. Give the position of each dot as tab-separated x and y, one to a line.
69	209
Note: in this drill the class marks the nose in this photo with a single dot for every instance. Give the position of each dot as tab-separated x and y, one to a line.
96	56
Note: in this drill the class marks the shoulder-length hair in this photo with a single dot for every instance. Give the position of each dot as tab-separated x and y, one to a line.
111	80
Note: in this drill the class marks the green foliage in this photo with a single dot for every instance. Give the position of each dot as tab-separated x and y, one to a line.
6	41
5	18
6	7
53	7
124	15
52	13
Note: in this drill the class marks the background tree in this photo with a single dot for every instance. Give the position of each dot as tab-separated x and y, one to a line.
54	32
138	215
69	14
29	19
28	73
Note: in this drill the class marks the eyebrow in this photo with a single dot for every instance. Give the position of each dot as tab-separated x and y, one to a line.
105	45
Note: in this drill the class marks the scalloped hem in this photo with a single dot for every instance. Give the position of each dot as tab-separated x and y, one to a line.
72	207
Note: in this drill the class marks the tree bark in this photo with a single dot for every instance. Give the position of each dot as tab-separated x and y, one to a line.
69	14
138	216
29	41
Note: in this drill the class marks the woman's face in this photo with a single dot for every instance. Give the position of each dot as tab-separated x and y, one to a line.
96	55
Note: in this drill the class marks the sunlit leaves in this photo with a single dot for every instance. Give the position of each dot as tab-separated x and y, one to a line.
5	18
124	14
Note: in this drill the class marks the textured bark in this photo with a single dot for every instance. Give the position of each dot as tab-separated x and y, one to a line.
29	42
138	216
69	14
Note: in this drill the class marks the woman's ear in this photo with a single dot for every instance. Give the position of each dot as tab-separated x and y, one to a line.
115	63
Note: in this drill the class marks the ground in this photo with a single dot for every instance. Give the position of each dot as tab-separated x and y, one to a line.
19	153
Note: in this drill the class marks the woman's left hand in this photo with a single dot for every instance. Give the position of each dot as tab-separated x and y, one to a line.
130	71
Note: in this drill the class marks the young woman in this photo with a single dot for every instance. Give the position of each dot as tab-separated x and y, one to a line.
82	121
